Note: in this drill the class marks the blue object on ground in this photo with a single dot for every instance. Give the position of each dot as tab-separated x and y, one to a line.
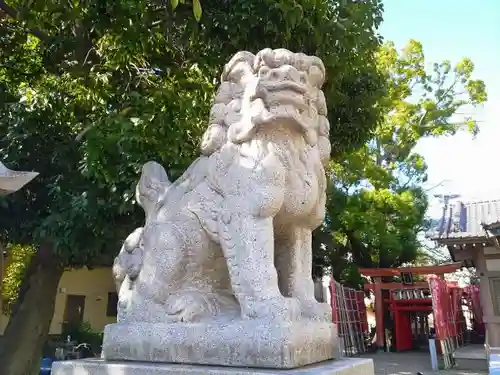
433	352
494	364
46	366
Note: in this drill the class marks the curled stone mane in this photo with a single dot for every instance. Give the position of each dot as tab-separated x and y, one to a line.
227	118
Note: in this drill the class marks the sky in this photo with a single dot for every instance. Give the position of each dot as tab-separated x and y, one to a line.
451	30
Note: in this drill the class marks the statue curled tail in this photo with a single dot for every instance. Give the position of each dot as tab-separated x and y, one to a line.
154	191
150	191
129	259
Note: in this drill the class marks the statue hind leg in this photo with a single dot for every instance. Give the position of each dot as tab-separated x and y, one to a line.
162	292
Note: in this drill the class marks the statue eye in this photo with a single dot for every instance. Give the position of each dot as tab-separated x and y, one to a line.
274	75
263	71
236	74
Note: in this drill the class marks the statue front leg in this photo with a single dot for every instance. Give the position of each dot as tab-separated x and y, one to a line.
248	245
293	260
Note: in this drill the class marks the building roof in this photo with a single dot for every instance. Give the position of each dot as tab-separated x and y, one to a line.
466	220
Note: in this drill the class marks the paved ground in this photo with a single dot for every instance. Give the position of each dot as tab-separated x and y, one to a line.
409	364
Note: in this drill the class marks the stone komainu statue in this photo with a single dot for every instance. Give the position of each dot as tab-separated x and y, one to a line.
231	238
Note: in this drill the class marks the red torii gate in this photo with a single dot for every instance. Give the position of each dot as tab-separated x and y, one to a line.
378	286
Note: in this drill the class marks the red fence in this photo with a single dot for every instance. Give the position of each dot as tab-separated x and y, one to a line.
349	313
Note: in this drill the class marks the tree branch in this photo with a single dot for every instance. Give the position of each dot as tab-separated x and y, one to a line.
14	14
11	12
20	72
84	52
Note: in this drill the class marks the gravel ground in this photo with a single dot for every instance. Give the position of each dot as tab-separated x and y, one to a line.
409	364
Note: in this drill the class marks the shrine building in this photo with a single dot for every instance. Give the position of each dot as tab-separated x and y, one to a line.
471	232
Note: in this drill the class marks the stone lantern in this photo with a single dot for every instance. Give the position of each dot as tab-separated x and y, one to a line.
11	181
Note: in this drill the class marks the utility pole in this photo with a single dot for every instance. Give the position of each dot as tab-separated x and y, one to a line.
445	200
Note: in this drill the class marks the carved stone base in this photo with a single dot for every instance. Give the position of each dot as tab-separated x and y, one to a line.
351	366
246	343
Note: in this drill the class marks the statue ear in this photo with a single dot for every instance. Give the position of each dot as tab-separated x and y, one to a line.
154	180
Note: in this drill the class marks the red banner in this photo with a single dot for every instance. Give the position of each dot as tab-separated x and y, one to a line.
362	311
441	304
473	296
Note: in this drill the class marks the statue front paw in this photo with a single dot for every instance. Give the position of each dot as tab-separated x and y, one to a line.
279	308
317	311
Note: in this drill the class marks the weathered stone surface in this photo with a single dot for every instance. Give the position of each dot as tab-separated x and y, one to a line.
243	343
226	248
357	366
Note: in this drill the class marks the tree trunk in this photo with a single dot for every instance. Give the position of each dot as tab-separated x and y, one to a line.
29	324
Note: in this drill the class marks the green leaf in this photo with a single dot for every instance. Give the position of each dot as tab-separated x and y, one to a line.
197	9
174	3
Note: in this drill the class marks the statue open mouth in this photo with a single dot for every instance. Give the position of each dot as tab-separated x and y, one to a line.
286	98
283	101
282	93
284	86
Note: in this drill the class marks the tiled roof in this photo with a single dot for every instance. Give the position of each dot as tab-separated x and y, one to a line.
466	220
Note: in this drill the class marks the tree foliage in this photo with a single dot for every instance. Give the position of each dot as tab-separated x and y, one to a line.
377	205
17	261
92	90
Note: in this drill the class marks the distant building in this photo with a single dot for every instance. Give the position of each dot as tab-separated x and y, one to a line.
471	232
83	296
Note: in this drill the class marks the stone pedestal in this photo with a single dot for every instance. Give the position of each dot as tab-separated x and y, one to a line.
242	343
357	366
